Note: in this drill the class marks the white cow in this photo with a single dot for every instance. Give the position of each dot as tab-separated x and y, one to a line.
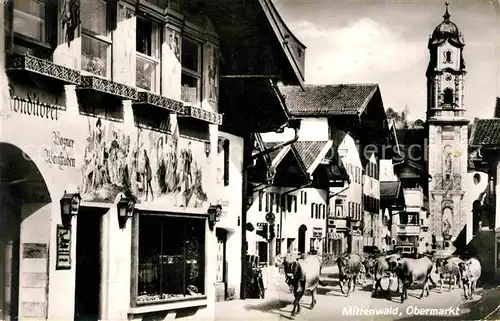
471	272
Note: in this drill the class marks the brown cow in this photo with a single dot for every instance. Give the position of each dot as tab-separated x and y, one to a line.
411	271
303	274
350	267
448	268
384	267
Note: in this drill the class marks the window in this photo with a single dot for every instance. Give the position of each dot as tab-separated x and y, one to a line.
191	71
171	258
260	200
30	19
317	211
289	203
147	41
267	202
312	210
96	40
339	208
324	211
447	57
448	96
226	162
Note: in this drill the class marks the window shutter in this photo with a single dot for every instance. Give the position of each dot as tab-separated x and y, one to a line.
226	162
211	74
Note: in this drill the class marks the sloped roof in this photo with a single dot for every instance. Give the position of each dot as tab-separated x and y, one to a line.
408	138
274	153
485	132
390	190
327	100
309	151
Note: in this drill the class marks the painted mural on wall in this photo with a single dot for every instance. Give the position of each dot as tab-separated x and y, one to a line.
447	221
151	166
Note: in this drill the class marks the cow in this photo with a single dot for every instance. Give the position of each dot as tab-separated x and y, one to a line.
350	266
369	264
410	271
384	267
470	271
302	274
448	268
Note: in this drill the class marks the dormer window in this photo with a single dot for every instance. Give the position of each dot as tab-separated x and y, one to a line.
191	70
96	38
148	55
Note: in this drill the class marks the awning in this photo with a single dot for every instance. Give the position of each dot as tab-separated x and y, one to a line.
335	236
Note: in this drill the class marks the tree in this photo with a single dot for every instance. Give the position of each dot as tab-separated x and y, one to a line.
400	119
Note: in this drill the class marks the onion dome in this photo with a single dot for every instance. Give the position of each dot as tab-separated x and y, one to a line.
446	30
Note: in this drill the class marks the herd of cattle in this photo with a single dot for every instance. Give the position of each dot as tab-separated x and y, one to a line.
303	273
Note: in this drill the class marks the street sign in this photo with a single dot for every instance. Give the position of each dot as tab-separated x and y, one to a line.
270	217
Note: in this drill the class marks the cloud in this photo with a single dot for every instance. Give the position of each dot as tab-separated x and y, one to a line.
364	50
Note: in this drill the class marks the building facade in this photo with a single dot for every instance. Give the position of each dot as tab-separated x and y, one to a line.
121	102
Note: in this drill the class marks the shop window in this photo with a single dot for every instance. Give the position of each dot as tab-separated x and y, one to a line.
171	258
191	71
147	55
96	38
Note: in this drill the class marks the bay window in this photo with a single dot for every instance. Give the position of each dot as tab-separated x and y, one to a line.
191	71
148	55
171	258
96	38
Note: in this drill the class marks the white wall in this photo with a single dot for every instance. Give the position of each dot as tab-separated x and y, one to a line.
311	129
230	197
387	171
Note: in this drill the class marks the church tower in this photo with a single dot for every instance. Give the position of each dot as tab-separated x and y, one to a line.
447	133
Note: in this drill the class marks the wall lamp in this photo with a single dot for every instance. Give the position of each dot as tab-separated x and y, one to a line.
214	213
125	207
70	204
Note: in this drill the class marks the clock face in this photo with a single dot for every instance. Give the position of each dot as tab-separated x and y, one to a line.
448	77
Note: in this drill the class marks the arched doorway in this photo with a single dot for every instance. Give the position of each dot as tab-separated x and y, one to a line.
302	239
23	193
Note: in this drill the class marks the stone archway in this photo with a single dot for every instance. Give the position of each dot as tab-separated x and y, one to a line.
302	239
24	198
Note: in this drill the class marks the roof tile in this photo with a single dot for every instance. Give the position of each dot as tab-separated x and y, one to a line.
309	151
486	132
327	100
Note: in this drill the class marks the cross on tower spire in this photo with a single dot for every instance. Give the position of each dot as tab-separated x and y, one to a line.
446	15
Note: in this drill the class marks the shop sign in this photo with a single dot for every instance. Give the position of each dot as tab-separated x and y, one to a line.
317	232
61	154
32	106
261	226
63	252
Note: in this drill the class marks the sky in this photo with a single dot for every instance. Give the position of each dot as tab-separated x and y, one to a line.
385	42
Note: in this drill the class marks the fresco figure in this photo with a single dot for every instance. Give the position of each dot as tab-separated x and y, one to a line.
147	175
446	227
161	171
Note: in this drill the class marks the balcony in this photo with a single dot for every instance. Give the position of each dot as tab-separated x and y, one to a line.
414	197
408	229
45	71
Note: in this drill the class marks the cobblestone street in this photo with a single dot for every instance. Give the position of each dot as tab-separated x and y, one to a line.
333	305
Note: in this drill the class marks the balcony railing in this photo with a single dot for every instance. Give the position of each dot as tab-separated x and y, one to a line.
408	229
